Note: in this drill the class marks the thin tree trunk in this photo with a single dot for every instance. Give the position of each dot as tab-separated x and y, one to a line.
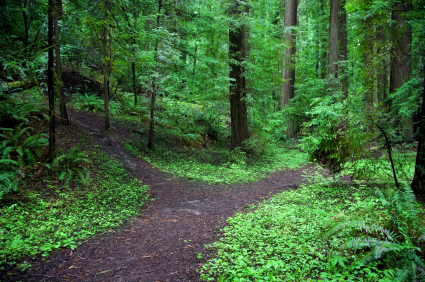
59	83
333	38
343	52
50	88
400	64
237	54
133	63
106	69
323	49
151	141
418	183
382	74
134	82
287	89
370	74
194	61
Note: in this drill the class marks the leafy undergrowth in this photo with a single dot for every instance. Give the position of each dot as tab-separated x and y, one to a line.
65	215
218	166
379	168
284	239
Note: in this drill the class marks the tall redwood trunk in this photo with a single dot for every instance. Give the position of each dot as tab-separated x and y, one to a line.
237	55
342	43
400	64
288	74
133	64
323	44
151	141
418	183
106	69
382	72
59	82
333	38
50	79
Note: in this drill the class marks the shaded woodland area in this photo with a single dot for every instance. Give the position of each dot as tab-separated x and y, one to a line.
218	92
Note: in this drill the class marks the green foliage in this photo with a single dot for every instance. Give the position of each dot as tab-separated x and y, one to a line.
18	108
41	224
71	164
89	102
378	168
20	146
281	239
8	181
218	165
341	132
392	234
18	150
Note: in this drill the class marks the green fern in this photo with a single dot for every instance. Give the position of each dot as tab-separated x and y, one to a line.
70	165
18	145
8	182
395	239
88	102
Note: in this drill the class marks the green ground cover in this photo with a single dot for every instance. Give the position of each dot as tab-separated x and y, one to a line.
65	215
322	232
219	166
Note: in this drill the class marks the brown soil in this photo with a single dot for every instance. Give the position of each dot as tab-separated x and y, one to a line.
162	243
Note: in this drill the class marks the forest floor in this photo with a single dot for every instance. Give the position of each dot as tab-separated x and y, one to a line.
163	243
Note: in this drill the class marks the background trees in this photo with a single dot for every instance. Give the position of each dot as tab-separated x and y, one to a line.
353	64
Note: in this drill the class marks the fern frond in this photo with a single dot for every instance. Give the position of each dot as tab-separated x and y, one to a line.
8	161
7	151
20	152
57	161
30	156
22	131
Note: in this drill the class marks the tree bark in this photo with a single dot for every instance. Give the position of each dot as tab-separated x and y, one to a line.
237	55
288	74
59	83
323	48
133	67
50	88
343	52
333	38
418	183
382	74
106	69
151	140
133	63
400	63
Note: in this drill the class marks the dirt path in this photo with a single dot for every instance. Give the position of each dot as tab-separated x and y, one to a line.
162	243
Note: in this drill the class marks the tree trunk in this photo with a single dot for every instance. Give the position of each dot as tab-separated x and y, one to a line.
382	73
343	52
287	89
50	88
133	63
194	61
106	69
333	38
151	141
59	83
134	82
237	53
323	48
418	183
400	64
